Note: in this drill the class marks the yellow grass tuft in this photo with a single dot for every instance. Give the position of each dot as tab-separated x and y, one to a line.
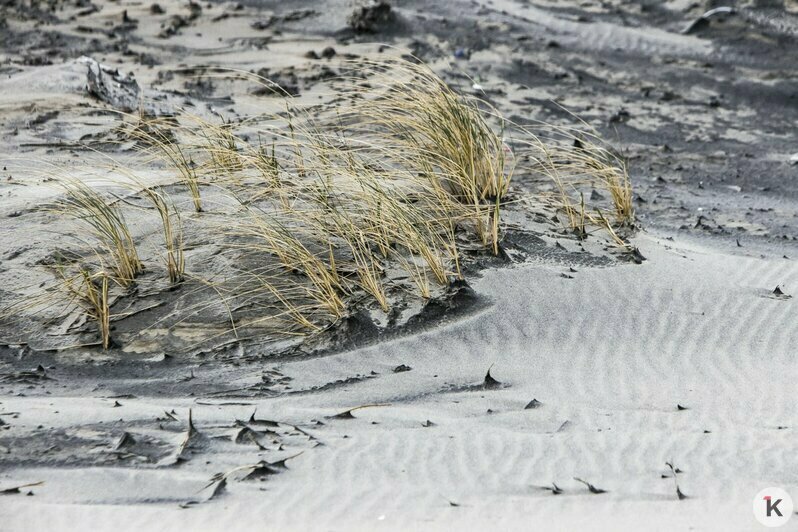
107	225
90	293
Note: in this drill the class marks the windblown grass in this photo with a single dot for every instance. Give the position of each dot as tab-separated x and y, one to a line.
172	234
106	223
89	291
334	208
578	161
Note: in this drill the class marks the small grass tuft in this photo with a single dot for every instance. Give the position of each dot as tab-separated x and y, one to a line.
107	225
172	234
90	292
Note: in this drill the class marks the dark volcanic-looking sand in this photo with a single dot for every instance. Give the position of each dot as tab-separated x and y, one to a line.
606	369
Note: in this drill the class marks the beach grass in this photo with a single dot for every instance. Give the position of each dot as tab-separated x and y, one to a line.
323	210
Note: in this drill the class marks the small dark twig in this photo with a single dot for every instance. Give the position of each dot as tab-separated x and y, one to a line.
676	470
593	489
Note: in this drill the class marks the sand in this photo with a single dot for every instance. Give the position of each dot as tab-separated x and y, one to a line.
609	355
685	359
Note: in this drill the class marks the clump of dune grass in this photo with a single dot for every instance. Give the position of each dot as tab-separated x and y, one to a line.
445	132
340	207
607	171
172	234
89	291
157	136
105	222
577	161
260	233
446	137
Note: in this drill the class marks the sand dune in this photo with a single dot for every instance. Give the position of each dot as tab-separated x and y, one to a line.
609	354
687	358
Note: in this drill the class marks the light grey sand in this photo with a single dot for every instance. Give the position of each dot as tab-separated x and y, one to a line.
609	354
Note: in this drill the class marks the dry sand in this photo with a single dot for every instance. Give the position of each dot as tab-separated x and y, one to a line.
609	355
687	358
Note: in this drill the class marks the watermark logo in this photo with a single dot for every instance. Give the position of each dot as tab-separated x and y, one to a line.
773	507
